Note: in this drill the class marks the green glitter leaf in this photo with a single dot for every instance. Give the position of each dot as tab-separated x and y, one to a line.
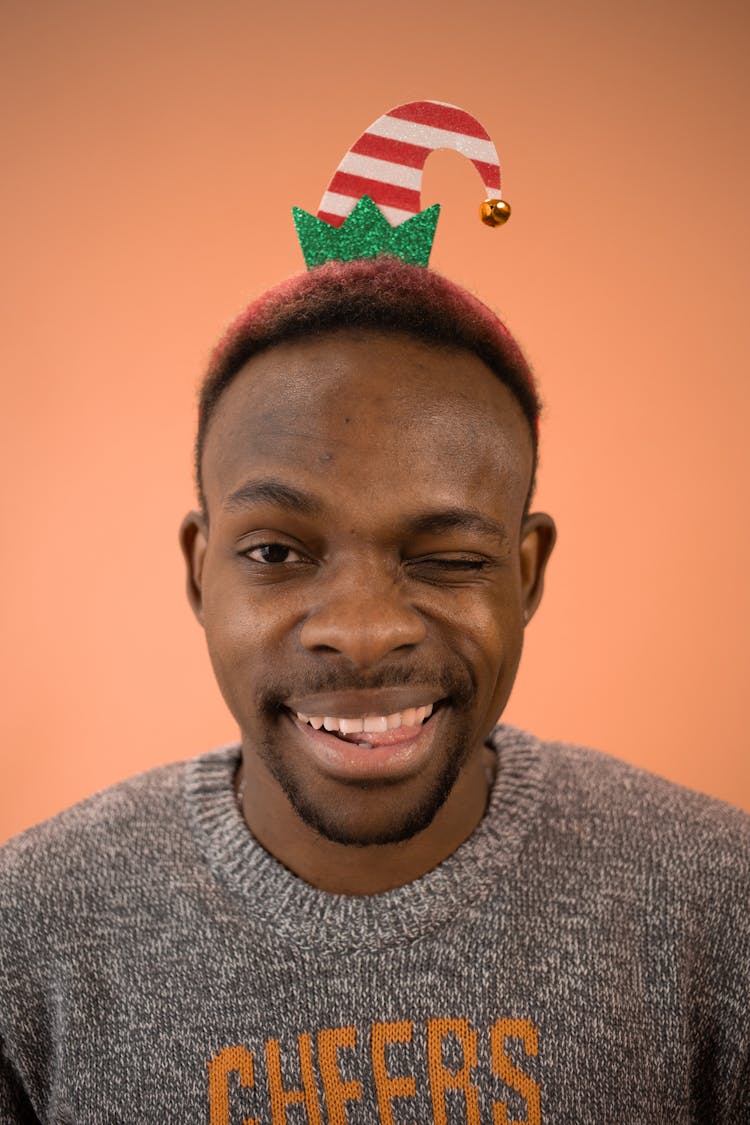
365	233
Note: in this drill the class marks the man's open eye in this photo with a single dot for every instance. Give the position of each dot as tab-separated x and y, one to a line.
273	553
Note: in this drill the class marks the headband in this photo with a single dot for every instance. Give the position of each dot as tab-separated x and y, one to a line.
372	204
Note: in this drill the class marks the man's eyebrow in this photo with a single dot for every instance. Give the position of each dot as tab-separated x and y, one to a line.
271	491
457	519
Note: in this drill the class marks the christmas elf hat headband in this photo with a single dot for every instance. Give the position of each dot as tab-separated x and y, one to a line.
372	204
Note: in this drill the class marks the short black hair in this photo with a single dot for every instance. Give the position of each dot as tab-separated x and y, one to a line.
379	294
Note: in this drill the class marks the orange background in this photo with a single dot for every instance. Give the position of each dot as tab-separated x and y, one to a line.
151	157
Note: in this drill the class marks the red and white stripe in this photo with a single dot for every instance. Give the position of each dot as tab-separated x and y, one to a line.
387	161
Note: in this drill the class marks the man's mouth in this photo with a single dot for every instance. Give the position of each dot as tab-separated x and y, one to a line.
369	746
346	727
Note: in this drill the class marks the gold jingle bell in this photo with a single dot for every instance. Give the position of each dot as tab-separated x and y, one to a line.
494	212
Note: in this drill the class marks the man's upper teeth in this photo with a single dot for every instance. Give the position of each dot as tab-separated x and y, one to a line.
412	717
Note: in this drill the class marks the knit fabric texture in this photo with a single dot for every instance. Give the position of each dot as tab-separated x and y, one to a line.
582	959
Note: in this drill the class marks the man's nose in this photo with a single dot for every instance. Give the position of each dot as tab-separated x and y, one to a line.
364	617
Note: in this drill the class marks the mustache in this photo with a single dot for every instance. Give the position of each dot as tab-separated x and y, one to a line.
454	683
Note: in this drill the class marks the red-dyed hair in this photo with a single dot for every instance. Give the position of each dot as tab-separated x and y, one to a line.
382	294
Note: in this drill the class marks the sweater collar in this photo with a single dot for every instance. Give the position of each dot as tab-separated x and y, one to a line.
294	912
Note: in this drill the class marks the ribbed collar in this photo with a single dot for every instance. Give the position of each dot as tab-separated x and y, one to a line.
297	913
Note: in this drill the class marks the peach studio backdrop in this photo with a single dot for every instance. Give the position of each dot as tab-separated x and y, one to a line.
151	154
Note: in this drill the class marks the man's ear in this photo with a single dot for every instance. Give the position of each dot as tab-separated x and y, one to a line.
538	535
193	541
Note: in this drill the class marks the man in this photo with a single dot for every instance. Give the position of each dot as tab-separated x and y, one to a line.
380	906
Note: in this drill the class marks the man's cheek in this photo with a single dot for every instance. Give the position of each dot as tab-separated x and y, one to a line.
497	655
232	656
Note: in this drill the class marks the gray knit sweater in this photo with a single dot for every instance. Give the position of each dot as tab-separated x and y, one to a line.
582	959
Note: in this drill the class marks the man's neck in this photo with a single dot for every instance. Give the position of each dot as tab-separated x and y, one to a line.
350	869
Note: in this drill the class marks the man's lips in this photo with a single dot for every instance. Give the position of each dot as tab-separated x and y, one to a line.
377	730
368	755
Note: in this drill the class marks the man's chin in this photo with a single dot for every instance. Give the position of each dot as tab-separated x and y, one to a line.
360	832
367	814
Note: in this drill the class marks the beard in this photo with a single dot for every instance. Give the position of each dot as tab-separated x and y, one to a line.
456	688
403	826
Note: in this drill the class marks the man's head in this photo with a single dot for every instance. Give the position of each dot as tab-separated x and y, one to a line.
382	294
365	552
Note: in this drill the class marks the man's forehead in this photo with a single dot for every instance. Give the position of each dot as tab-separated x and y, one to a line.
358	397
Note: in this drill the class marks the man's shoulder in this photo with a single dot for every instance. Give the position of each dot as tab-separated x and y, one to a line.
110	864
642	814
596	773
119	804
120	829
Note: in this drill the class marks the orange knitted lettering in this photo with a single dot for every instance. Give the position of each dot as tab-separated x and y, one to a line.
281	1098
337	1093
230	1060
386	1086
510	1074
442	1078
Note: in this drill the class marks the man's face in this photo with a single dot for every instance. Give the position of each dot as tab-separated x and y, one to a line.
366	562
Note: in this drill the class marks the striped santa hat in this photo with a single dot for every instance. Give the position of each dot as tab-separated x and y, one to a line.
372	204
